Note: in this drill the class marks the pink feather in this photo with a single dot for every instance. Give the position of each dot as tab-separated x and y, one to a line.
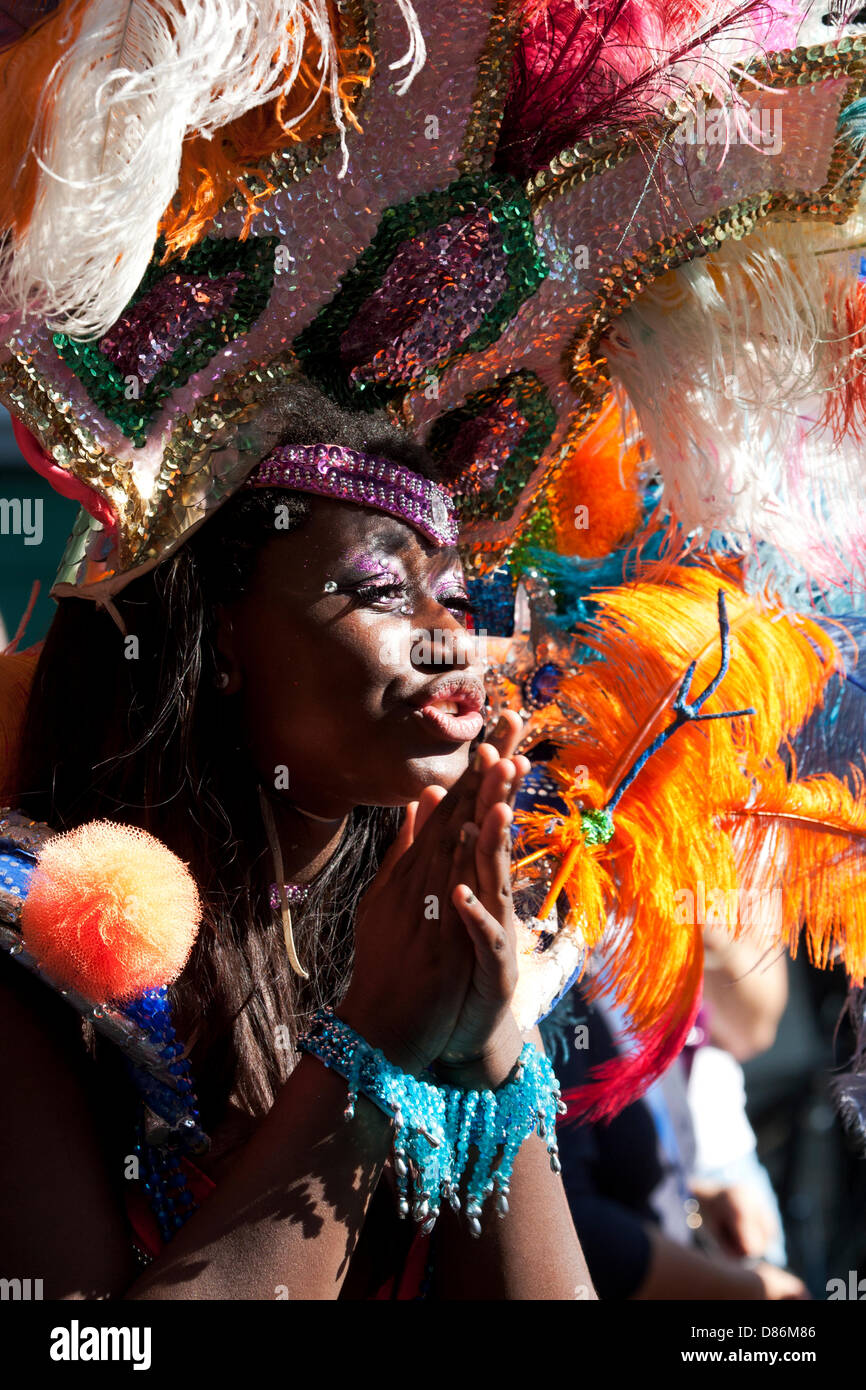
582	67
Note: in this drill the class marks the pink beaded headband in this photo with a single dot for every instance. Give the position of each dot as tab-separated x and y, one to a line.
351	476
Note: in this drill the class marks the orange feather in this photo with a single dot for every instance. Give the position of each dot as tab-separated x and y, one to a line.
596	505
800	852
672	843
24	70
236	157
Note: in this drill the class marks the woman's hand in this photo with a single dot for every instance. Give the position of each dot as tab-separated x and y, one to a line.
420	960
414	957
485	1042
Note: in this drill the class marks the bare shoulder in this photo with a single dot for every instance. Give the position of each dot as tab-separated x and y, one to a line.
60	1217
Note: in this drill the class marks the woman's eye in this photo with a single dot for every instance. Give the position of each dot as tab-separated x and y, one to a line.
379	593
459	601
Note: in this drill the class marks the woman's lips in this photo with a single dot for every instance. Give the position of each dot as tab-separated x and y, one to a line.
451	708
453	727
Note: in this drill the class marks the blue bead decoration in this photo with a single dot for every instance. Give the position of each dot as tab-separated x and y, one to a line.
436	1126
541	687
16	871
163	1177
492	598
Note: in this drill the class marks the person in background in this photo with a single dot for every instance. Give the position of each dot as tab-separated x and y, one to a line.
629	1182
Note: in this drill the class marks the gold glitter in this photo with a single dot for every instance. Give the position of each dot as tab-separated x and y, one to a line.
237	421
491	89
48	415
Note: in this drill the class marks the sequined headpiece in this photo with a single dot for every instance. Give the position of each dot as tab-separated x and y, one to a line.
351	476
444	214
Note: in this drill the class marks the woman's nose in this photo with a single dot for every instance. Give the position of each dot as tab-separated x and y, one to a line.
440	640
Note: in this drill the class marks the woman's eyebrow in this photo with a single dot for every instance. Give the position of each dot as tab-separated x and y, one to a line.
389	537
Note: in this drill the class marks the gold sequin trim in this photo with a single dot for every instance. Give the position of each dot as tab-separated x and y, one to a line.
491	88
584	361
45	411
247	397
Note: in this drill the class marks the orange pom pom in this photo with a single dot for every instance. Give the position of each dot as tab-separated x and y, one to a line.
110	912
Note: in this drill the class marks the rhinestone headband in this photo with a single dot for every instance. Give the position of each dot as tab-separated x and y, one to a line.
351	476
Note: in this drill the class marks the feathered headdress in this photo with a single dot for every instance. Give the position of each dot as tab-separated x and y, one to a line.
444	210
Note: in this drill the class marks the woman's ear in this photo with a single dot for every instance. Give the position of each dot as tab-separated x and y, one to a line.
228	678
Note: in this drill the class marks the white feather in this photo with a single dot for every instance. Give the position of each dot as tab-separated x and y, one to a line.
142	76
727	362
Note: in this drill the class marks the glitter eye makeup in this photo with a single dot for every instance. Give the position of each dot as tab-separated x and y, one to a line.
375	580
452	593
371	579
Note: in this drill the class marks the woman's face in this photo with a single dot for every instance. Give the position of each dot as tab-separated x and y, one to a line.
354	665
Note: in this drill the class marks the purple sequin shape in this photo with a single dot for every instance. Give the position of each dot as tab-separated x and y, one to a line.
483	445
149	333
295	893
433	296
330	470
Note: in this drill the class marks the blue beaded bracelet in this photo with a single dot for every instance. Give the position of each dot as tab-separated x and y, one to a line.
435	1125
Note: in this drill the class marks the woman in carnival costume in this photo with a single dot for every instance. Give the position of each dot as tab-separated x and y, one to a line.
272	316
